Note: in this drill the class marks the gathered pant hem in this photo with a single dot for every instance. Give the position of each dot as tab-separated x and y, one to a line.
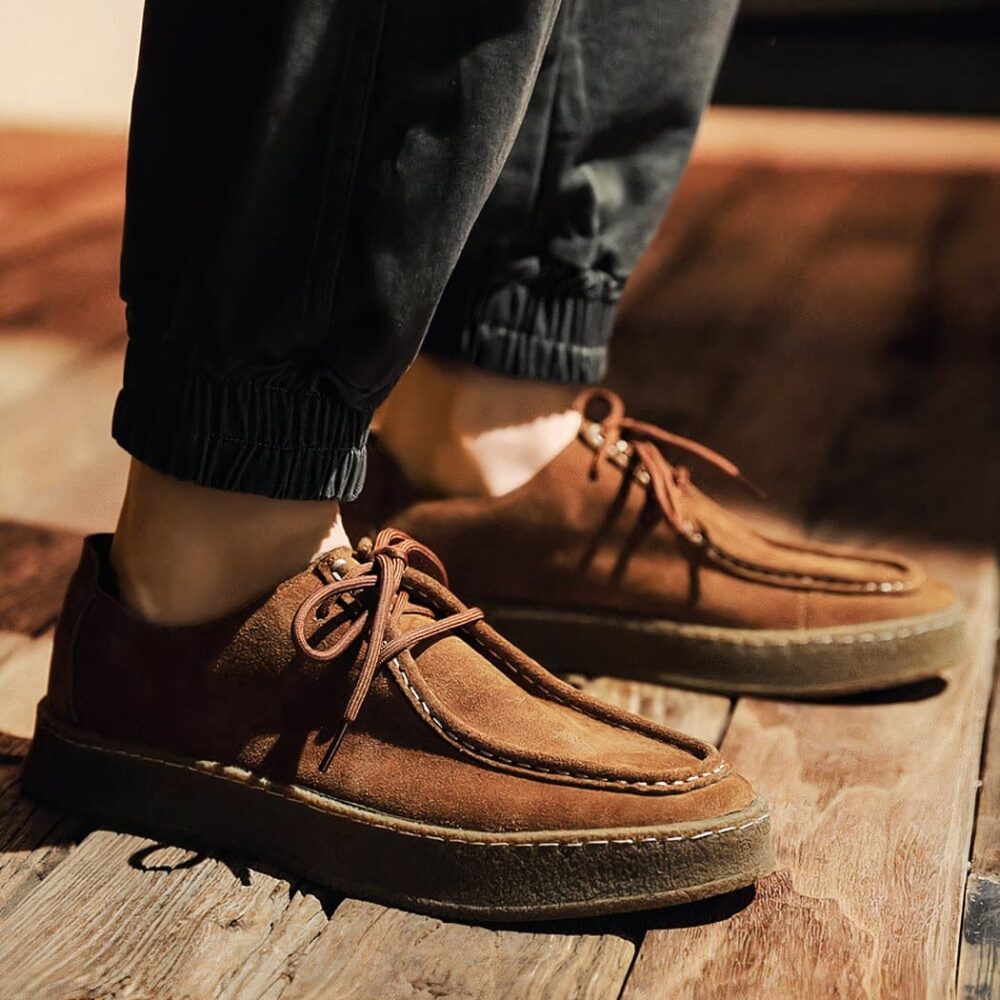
534	329
248	432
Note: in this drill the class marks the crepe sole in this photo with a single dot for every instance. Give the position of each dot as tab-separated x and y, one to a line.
443	871
817	662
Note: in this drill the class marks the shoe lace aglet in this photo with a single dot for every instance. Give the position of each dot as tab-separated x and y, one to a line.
334	746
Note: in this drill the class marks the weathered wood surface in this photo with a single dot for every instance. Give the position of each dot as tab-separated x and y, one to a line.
979	954
986	848
33	839
369	952
120	916
35	566
792	318
872	802
979	957
867	900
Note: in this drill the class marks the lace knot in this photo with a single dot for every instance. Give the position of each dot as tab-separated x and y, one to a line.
376	585
628	441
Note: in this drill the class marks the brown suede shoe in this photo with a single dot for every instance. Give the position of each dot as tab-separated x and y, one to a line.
363	728
610	561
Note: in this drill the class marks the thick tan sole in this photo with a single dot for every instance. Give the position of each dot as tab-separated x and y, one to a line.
442	871
793	663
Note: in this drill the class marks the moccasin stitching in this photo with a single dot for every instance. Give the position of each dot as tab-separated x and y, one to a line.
423	707
841	583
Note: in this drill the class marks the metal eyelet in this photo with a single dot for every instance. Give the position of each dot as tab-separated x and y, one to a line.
693	535
591	434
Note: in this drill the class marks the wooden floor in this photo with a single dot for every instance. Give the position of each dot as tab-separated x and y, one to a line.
834	330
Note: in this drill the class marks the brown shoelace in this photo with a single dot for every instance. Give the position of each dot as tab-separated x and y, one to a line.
387	560
643	442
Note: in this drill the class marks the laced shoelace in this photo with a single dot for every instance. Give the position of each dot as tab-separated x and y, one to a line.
668	483
387	559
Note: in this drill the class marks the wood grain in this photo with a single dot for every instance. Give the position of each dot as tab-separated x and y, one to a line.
986	847
125	916
979	952
370	952
873	804
979	957
33	838
35	566
862	378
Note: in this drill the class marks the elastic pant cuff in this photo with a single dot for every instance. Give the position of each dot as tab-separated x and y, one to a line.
254	432
547	330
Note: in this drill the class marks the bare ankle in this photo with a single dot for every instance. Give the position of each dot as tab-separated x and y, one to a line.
460	430
185	554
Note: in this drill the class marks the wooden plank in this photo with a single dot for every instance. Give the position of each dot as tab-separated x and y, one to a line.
979	951
368	951
24	675
979	954
986	847
67	287
31	357
62	465
192	924
33	838
43	160
60	208
706	310
35	566
60	239
49	188
787	348
872	802
796	138
868	899
9	642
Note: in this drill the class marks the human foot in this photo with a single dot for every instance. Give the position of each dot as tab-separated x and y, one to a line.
460	431
610	561
364	729
184	553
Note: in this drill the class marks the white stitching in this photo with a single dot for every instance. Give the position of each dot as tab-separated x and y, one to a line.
841	583
216	770
477	640
837	582
536	767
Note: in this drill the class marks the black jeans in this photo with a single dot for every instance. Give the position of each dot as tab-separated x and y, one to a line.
318	188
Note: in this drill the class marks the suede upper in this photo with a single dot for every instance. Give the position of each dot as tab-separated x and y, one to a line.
461	730
586	534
